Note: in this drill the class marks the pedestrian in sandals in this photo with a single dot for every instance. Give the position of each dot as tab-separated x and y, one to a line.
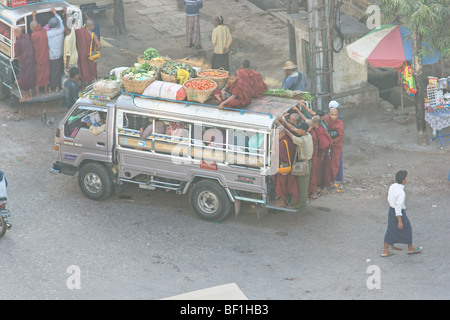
399	227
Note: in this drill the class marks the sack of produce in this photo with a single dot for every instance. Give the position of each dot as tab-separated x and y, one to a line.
199	90
165	90
137	78
109	88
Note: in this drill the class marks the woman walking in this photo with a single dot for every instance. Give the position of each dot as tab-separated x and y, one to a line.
221	39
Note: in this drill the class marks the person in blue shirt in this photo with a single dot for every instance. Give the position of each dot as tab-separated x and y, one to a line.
293	80
71	88
192	8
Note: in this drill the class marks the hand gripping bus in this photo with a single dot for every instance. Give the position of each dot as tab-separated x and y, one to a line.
19	13
218	157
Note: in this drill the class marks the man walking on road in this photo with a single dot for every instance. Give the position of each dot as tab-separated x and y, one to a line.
399	228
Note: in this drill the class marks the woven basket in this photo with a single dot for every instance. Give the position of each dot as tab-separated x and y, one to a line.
157	64
168	78
199	95
221	81
136	86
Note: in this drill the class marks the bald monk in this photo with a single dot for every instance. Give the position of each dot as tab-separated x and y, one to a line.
285	184
88	68
40	46
24	53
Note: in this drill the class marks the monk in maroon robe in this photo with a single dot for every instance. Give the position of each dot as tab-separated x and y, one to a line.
285	184
88	68
253	79
324	172
236	93
335	128
40	46
24	53
314	178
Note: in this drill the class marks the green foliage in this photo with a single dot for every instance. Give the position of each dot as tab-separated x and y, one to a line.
430	18
150	53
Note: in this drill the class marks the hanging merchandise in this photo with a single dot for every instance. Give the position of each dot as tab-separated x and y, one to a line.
408	81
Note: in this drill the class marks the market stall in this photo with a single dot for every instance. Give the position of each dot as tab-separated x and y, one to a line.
437	107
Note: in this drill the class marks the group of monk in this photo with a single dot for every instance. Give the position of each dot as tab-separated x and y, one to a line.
47	51
317	138
242	86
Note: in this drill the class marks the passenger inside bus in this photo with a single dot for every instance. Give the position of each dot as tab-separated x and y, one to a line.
214	138
159	128
96	122
5	30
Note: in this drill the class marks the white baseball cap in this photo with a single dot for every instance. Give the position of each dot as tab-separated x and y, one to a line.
333	104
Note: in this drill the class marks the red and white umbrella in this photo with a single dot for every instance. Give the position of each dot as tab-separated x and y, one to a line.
386	46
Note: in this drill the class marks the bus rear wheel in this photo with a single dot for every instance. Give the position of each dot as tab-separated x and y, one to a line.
209	201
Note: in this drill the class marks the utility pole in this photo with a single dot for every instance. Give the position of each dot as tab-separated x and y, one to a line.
321	27
292	8
119	18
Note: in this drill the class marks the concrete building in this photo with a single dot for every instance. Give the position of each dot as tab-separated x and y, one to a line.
350	79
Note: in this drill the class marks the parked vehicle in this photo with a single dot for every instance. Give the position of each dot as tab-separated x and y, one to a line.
21	16
218	157
4	213
96	7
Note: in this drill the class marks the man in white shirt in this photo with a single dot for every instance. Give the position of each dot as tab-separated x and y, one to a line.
55	38
399	227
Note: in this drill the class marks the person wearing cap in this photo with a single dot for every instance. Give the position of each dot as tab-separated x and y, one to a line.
55	38
304	142
335	128
293	80
333	104
340	172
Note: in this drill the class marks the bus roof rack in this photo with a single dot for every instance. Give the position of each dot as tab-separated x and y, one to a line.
15	4
187	103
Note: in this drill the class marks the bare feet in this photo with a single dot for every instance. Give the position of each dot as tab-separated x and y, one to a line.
313	195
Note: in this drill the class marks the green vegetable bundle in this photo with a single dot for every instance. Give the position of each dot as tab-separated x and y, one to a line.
140	72
150	53
301	95
171	67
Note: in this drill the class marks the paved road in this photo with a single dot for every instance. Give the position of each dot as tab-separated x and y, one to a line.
149	245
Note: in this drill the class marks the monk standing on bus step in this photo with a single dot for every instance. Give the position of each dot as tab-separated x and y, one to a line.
23	50
40	46
88	68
